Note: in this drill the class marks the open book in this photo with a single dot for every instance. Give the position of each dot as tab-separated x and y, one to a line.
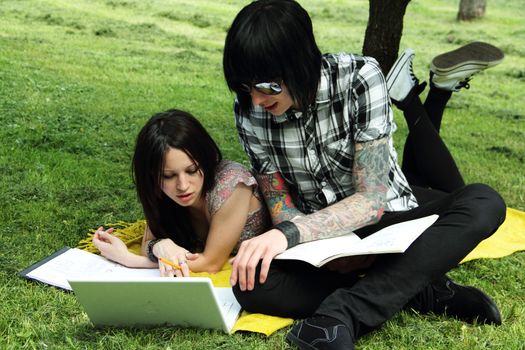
391	239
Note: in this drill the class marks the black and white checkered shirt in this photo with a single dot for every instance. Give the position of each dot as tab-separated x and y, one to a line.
314	151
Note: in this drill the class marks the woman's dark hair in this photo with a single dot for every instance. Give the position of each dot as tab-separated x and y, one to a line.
180	130
272	40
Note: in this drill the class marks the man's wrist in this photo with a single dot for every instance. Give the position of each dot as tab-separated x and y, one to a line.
290	231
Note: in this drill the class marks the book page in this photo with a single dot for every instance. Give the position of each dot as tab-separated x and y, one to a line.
397	237
76	263
316	251
391	239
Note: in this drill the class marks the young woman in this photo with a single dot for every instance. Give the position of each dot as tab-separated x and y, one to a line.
198	207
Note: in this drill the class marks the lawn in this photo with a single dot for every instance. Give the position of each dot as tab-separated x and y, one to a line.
79	78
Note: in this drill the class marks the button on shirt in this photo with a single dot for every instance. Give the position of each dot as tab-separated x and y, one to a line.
314	151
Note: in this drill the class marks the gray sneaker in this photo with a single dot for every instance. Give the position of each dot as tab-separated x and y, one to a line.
401	79
452	70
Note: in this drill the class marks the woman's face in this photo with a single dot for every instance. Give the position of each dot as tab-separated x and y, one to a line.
275	104
182	179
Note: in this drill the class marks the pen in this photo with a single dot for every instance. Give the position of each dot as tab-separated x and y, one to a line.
178	267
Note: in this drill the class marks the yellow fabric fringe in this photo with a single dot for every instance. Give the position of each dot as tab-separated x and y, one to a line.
509	238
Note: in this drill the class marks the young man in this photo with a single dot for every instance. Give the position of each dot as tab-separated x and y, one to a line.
318	131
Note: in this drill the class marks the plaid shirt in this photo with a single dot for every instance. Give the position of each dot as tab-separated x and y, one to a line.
314	151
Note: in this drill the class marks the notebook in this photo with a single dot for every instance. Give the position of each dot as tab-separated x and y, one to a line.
157	301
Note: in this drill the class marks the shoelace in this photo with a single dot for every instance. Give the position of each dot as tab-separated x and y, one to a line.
463	84
412	75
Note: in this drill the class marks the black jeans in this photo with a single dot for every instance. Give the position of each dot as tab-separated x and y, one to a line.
299	290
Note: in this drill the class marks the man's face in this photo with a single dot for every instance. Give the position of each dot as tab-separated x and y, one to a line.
275	104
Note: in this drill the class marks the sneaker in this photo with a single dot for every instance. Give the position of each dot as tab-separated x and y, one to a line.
401	79
321	332
469	304
453	70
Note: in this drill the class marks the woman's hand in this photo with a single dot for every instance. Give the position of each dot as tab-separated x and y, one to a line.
168	250
110	247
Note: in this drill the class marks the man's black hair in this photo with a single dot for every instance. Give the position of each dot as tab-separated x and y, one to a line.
272	40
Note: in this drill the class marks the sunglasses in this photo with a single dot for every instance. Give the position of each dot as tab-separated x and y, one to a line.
271	88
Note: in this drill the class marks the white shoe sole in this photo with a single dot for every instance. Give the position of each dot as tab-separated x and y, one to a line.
473	56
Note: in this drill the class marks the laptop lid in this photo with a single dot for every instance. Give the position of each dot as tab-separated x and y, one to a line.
157	301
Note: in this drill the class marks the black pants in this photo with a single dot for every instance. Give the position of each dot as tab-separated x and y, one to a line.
298	290
427	162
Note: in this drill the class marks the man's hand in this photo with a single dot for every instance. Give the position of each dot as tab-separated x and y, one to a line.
351	263
263	247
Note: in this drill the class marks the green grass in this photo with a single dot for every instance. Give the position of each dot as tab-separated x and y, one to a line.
79	78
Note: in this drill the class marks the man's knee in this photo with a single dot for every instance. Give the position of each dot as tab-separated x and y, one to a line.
269	300
488	206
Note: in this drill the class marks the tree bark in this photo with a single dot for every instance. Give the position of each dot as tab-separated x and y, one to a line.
384	30
471	9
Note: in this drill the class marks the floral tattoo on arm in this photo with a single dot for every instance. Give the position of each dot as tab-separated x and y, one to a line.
278	199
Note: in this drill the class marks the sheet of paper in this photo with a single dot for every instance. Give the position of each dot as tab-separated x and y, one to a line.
397	237
76	263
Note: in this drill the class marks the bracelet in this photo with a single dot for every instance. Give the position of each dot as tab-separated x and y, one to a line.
152	256
290	231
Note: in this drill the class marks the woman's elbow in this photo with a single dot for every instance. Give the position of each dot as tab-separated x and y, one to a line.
214	268
209	266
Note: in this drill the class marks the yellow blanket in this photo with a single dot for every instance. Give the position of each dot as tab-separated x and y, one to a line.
509	238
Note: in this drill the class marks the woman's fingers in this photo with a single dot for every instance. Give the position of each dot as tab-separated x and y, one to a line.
184	268
103	235
166	270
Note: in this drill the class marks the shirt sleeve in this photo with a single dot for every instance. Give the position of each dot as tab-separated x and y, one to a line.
372	106
258	155
228	176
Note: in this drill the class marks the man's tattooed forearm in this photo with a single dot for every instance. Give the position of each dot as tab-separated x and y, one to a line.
278	199
363	208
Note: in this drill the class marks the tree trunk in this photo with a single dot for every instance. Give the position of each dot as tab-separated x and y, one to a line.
471	9
384	30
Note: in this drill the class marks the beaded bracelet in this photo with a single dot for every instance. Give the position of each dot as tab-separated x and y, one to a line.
151	243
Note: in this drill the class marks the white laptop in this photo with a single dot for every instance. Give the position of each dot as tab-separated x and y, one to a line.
157	301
